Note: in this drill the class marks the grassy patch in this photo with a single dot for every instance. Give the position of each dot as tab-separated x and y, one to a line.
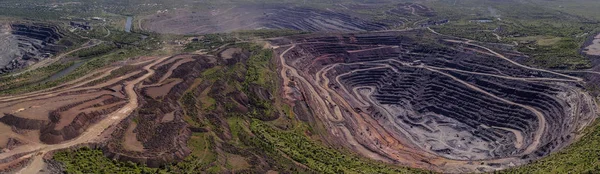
236	125
87	160
97	50
318	157
258	69
260	75
213	73
208	103
210	41
200	159
200	145
562	53
95	62
9	82
551	37
190	109
116	73
539	40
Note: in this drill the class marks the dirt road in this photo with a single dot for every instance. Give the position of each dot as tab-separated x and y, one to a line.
93	132
312	91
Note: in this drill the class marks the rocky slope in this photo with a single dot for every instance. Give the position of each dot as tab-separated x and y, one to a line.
24	43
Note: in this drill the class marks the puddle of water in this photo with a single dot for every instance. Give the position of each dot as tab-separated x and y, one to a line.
63	72
128	24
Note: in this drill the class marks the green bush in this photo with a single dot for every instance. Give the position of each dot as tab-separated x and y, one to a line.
95	51
86	160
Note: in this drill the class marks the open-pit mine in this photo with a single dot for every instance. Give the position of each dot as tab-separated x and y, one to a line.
433	102
22	44
411	98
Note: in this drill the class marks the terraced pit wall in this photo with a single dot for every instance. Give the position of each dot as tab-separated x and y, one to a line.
26	43
439	104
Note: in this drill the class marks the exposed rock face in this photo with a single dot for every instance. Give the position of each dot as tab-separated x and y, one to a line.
445	102
8	47
22	43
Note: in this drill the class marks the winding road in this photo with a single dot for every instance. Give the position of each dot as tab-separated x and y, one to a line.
37	151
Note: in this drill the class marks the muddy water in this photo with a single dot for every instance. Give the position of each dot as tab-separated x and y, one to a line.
128	24
63	72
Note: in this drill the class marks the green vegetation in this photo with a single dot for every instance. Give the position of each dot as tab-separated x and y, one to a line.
260	72
119	47
188	102
258	69
584	8
580	157
87	160
116	73
202	145
207	103
316	156
551	37
12	82
283	148
550	32
30	12
560	53
559	48
210	41
198	110
121	37
95	51
295	144
87	67
98	31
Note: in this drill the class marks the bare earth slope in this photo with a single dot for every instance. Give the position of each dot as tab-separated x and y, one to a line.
74	114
